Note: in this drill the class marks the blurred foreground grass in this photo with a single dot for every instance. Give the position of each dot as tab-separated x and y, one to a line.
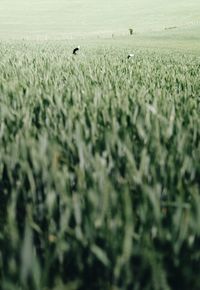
99	168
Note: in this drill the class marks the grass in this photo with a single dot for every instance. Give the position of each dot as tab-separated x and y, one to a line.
64	19
99	168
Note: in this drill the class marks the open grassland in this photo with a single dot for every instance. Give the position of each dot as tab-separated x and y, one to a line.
180	40
61	19
99	168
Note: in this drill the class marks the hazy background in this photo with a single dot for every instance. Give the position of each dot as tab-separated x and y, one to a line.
67	18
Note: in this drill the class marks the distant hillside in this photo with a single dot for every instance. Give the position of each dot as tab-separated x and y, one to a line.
20	18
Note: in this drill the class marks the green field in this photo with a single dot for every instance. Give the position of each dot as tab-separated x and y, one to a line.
78	18
99	154
100	167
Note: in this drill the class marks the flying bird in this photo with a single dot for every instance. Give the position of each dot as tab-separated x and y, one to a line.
75	51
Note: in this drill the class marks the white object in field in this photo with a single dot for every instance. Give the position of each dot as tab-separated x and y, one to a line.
130	55
75	51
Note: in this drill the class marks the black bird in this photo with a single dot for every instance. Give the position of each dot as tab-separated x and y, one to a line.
130	55
75	51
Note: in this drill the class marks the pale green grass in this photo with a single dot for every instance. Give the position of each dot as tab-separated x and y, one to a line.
48	18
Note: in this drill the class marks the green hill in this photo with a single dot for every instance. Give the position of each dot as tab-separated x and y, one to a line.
48	18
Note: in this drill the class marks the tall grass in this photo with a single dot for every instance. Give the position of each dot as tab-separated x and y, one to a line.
99	169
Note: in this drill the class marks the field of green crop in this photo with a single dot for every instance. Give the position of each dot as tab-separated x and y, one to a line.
72	18
99	168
